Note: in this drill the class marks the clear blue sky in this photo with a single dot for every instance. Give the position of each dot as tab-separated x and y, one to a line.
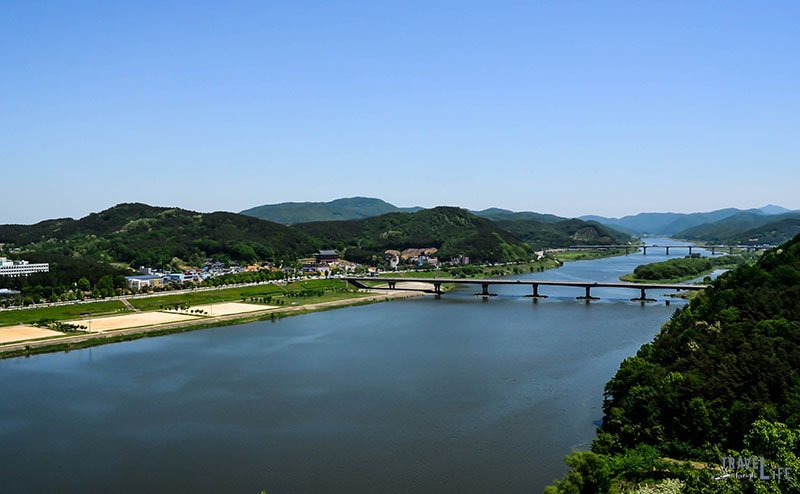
564	107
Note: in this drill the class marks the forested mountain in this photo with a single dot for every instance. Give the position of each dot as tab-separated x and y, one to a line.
747	228
496	214
722	378
350	208
564	233
453	231
138	234
672	223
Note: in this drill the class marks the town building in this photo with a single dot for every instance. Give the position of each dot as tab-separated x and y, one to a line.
327	256
21	268
6	294
143	281
391	259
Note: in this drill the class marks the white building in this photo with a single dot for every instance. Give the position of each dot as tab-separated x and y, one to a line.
21	268
139	282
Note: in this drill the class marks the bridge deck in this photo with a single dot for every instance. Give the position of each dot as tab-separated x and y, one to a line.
581	284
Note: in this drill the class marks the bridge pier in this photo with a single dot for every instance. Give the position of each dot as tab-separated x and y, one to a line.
643	298
690	251
535	295
437	289
485	291
588	297
713	250
730	250
667	247
392	285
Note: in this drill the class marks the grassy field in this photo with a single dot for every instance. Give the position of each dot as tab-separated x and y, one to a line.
633	279
585	255
61	313
334	290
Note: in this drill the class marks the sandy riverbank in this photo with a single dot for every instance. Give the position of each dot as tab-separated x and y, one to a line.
67	342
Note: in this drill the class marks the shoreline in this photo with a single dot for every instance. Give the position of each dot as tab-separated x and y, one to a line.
76	342
68	342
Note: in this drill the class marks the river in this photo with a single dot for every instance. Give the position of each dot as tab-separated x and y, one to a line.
420	395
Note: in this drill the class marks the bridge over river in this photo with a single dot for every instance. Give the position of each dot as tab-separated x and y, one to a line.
587	286
628	248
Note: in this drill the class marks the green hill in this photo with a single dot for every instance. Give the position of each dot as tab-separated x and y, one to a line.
453	231
497	214
722	378
138	234
746	228
564	233
289	213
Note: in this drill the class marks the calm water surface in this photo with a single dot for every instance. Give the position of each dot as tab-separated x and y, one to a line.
421	395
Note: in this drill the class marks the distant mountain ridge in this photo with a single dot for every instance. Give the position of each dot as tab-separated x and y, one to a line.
672	223
746	228
139	234
347	208
454	231
496	214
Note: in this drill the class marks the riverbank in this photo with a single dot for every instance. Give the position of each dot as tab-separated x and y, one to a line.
85	340
682	269
330	298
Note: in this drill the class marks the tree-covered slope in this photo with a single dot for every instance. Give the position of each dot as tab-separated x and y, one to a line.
746	228
564	233
453	231
289	213
722	378
138	234
497	214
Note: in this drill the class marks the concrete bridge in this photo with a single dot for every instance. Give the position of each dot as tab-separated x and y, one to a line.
534	284
629	248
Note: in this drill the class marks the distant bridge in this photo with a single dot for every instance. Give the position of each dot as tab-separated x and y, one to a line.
628	248
534	284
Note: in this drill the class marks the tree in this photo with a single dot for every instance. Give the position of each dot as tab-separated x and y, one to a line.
84	285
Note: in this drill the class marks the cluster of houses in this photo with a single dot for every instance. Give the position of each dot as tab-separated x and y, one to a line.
324	262
151	278
419	258
415	257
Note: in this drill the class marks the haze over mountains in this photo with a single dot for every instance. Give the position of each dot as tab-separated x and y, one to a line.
769	224
735	222
134	234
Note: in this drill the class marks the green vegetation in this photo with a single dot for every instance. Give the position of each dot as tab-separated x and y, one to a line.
681	269
586	255
60	313
543	235
497	214
306	292
721	379
354	299
746	228
138	234
276	292
351	208
479	271
453	231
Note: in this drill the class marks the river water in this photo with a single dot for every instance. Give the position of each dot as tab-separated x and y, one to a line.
419	395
